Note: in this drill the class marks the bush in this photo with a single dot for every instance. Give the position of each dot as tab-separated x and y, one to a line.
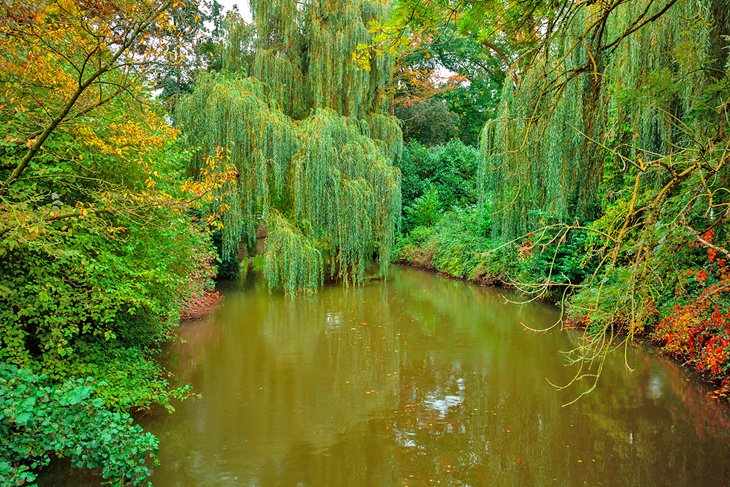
77	296
97	252
453	245
39	420
450	169
461	239
424	211
556	258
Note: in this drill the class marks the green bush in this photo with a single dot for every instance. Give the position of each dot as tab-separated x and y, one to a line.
450	169
461	238
39	420
459	244
413	180
97	252
453	169
453	245
556	257
424	211
76	298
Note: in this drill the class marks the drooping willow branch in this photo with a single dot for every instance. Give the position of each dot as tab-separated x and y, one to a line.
310	139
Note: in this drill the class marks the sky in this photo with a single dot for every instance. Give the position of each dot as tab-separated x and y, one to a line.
242	7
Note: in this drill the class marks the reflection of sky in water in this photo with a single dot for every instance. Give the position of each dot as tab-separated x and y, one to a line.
334	320
655	388
442	404
405	438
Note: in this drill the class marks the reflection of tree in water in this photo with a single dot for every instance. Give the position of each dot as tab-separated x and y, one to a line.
298	374
473	414
705	414
185	356
419	381
650	420
457	422
338	350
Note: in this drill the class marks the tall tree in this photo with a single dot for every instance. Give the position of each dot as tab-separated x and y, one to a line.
599	89
199	28
429	51
308	137
619	128
99	238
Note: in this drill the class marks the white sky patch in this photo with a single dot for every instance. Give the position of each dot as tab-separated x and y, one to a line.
442	75
243	7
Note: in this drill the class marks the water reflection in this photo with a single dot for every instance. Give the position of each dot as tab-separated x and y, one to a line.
654	389
421	381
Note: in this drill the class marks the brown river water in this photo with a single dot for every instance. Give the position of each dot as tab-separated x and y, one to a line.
419	381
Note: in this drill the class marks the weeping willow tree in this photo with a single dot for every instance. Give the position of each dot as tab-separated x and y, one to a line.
618	128
309	137
613	82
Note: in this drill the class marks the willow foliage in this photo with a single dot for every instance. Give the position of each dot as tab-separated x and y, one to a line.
617	134
308	137
234	115
304	52
605	88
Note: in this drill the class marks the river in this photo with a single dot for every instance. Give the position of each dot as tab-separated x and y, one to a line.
419	381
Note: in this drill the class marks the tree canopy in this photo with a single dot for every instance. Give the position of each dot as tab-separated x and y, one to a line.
308	137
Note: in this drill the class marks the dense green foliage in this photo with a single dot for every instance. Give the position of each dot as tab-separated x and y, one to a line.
605	170
100	238
452	55
39	420
429	122
91	280
457	240
449	170
305	144
443	229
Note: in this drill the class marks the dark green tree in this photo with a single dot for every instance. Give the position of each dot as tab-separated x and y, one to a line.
429	122
199	26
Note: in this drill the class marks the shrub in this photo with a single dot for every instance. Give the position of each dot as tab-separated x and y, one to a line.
424	211
450	169
39	420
